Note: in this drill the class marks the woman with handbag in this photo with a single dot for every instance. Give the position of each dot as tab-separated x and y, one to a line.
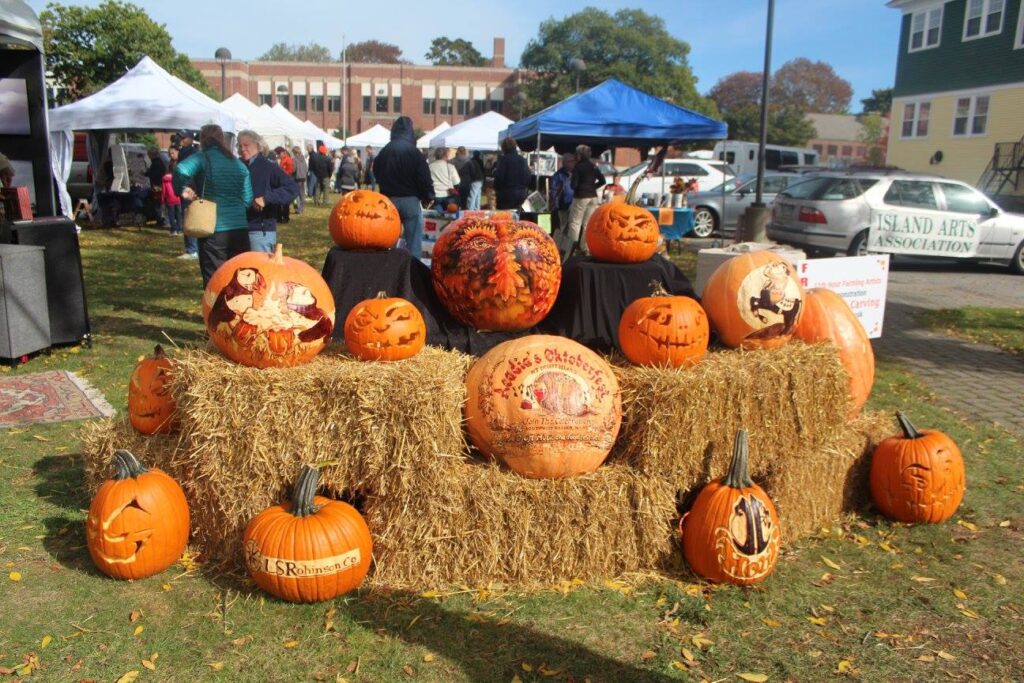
217	214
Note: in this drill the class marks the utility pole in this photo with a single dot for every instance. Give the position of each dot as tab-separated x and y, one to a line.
754	221
344	89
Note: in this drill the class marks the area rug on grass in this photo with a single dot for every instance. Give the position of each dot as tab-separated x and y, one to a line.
52	396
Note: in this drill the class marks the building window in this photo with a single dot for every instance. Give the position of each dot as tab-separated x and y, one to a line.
496	105
925	28
266	99
282	95
971	116
396	104
816	148
915	119
462	107
382	104
446	106
833	150
847	151
300	102
429	105
366	103
334	103
316	102
479	107
984	18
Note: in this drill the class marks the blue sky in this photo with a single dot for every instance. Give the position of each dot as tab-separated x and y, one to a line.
857	37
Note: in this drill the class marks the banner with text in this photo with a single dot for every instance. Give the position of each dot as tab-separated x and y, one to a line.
922	233
861	280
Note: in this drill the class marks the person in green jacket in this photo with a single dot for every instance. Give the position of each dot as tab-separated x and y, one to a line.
217	175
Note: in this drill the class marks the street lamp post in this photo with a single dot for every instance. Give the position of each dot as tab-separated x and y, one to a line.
223	56
755	218
578	66
344	88
521	99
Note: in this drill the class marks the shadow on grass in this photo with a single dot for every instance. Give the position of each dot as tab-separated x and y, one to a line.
65	541
132	327
59	481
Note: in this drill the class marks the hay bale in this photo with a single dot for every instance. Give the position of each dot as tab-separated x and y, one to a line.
100	438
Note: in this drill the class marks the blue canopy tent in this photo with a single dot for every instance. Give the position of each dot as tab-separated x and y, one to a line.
613	114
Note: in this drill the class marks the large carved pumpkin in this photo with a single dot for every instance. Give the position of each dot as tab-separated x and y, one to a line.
268	310
366	220
384	329
309	550
827	316
496	274
151	407
546	406
731	534
138	521
664	330
754	300
618	232
917	476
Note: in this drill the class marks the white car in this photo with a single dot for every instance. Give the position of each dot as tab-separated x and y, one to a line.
897	213
709	174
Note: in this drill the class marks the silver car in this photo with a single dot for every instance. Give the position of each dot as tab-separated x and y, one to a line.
721	207
897	213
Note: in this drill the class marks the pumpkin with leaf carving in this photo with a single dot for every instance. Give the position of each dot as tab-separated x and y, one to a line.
384	328
618	232
364	220
151	407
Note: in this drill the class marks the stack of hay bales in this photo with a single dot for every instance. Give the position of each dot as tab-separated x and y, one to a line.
388	437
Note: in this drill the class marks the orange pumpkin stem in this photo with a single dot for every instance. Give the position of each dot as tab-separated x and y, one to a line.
305	489
909	431
279	254
739	471
127	466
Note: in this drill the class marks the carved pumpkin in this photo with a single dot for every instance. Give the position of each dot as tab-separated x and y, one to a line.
754	300
268	310
138	521
363	219
309	550
618	232
664	330
731	534
917	476
547	406
827	316
495	273
151	407
384	329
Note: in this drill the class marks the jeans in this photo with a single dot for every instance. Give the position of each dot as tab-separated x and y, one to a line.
174	214
311	185
191	243
475	188
320	192
411	213
301	199
218	248
262	240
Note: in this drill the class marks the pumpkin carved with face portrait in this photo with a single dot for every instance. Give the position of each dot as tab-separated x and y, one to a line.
365	220
618	232
496	274
731	534
138	521
384	329
151	407
664	330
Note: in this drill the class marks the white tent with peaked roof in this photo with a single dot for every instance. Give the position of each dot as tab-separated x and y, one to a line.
424	141
480	132
273	131
378	136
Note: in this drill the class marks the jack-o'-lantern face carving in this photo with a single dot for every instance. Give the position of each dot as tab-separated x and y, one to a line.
622	233
385	329
151	408
363	219
664	330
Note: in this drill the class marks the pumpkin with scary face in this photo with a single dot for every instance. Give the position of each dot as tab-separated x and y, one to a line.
384	329
138	521
365	220
496	274
151	407
731	534
664	330
917	476
618	232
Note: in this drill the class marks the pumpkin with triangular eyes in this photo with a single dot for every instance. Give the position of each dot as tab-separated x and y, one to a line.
151	408
664	330
384	328
622	233
366	220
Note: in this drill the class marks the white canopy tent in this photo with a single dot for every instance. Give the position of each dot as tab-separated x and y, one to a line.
329	140
424	141
480	132
146	98
296	131
273	131
378	136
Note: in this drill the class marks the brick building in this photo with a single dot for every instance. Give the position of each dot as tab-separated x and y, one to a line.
838	141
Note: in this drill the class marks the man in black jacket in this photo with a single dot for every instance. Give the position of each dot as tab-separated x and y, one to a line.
272	188
322	167
404	177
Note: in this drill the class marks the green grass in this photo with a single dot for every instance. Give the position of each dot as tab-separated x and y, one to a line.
1000	327
887	612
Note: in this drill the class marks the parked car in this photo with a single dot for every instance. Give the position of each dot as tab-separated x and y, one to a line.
720	207
742	156
897	213
708	174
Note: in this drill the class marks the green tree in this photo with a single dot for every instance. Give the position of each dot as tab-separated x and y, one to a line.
447	52
88	48
873	135
789	126
283	52
630	45
374	52
879	102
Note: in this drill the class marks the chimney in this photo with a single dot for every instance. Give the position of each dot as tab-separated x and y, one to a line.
498	60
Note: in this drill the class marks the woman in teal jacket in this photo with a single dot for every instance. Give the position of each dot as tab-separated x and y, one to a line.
217	175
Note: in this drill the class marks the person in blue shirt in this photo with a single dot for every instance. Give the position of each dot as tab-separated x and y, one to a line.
561	190
272	189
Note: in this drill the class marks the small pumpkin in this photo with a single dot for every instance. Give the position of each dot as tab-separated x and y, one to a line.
731	534
827	317
138	521
151	408
365	220
754	300
452	208
618	232
918	475
310	549
384	328
664	330
546	406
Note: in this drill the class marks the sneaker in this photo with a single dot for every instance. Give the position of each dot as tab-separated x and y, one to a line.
188	257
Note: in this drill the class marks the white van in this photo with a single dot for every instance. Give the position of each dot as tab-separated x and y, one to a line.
742	156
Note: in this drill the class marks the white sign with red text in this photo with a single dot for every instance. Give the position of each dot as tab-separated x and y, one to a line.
860	280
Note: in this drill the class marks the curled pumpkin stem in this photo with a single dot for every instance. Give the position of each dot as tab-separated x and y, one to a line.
305	490
127	466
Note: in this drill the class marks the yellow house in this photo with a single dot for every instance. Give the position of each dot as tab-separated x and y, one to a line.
958	100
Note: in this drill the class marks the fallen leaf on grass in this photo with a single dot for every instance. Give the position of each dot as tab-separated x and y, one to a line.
945	655
216	666
526	667
239	642
999	579
687	655
1004	524
700	642
138	629
922	579
647	654
887	548
290	644
516	679
39	438
166	587
818	621
45	642
546	672
967	525
830	563
409	671
843	666
970	614
959	593
128	677
14	576
135	615
754	678
925	658
771	623
428	657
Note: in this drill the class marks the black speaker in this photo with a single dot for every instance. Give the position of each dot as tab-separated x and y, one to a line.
65	288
